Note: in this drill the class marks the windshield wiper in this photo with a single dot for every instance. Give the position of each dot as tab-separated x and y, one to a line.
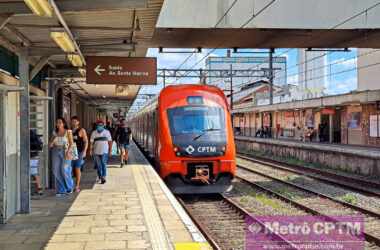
204	132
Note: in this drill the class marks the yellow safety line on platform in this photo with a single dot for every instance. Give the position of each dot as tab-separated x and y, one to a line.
192	246
155	227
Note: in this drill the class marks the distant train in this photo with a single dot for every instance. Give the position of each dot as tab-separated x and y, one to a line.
187	130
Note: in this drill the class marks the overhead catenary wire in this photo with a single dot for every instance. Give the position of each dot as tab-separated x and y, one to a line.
328	65
340	72
215	26
336	62
365	11
241	27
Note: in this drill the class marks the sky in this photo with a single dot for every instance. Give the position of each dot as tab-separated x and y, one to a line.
341	73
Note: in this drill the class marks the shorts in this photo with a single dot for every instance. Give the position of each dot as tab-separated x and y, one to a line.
124	146
34	163
78	163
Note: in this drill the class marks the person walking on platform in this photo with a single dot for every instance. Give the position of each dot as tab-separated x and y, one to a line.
62	153
100	148
81	141
123	135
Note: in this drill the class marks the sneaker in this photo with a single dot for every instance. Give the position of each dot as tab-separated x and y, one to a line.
103	180
77	190
40	192
121	165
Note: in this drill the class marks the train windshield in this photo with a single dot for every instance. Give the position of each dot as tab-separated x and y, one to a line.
196	119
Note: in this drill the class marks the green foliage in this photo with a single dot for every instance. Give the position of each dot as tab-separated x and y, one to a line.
350	198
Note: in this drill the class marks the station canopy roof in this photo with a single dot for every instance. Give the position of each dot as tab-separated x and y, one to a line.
99	27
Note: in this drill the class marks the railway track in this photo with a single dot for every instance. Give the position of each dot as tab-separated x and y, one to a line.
311	201
358	184
221	220
349	196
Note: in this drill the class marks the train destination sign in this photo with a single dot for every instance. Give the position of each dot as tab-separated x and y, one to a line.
121	70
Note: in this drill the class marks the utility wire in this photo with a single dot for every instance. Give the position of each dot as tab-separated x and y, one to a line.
331	28
215	26
336	62
241	27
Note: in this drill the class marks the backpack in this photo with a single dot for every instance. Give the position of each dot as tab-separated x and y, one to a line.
123	135
35	141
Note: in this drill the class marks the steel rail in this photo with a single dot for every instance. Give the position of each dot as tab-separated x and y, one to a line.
368	237
324	176
236	207
349	205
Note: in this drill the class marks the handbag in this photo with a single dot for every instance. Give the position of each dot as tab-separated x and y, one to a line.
72	154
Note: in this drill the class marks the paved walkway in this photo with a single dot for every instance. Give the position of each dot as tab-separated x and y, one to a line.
110	216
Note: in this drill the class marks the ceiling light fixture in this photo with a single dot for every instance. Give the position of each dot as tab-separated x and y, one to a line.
63	40
40	7
75	60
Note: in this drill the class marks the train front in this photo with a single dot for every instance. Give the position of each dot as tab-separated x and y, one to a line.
197	155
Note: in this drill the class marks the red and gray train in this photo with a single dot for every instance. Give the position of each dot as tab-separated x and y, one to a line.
187	131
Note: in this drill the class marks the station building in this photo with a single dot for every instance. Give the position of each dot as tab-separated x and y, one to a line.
351	118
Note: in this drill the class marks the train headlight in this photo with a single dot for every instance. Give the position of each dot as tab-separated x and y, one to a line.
224	149
178	154
176	149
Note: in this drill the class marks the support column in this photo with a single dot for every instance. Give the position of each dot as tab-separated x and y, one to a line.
331	128
3	156
24	133
271	76
52	91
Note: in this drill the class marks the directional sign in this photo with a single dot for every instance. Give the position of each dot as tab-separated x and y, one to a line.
121	70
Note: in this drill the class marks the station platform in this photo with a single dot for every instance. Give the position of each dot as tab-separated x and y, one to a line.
133	210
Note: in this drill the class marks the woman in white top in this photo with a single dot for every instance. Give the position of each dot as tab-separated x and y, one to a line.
61	145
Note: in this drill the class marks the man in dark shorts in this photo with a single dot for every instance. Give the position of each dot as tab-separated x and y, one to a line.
81	141
123	135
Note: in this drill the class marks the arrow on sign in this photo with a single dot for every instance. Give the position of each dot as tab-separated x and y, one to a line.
99	70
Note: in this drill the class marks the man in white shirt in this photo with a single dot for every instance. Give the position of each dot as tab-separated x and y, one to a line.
100	148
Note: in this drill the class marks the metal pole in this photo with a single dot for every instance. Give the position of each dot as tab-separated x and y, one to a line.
164	78
231	96
24	133
231	90
271	51
52	92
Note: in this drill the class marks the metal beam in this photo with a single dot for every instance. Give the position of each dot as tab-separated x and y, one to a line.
4	20
37	68
45	27
23	39
67	29
121	41
212	73
8	45
89	49
75	6
24	132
